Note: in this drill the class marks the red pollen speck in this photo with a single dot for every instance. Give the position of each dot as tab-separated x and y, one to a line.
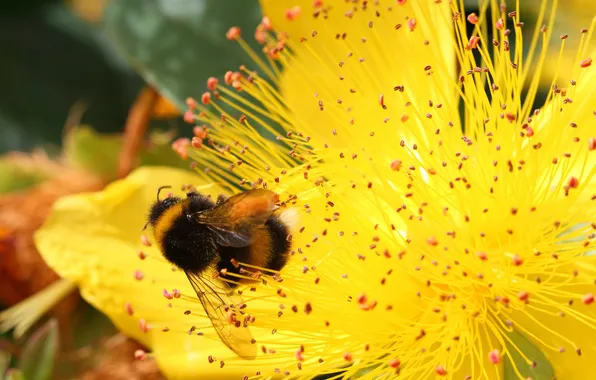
394	363
176	293
494	356
382	100
573	182
189	117
529	132
517	261
592	143
142	255
588	298
299	355
523	296
395	165
138	275
401	2
167	294
293	13
473	43
140	355
511	117
404	118
432	241
440	370
206	98
585	63
482	256
143	326
362	299
212	83
412	24
473	18
348	357
233	33
145	241
228	77
500	24
128	308
317	3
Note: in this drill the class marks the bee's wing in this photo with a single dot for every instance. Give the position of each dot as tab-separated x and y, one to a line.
238	339
234	221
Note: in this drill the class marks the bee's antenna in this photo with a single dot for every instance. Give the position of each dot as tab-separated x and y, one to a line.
160	189
145	227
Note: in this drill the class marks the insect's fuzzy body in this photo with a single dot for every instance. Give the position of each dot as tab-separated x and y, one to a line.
193	247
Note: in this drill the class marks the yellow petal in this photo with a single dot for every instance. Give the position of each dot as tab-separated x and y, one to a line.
546	328
347	82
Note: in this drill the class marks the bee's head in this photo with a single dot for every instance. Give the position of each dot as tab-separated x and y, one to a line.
160	206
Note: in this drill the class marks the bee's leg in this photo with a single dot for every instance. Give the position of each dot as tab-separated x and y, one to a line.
221	199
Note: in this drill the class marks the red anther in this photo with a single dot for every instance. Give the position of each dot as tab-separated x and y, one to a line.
236	76
237	85
395	165
348	357
189	117
482	256
382	101
142	255
299	356
494	356
404	118
585	63
412	24
440	370
212	83
588	298
166	294
191	103
592	143
500	24
266	22
432	241
196	142
293	13
394	363
517	261
140	355
231	316
317	3
176	293
200	132
362	299
233	33
473	42
573	182
138	275
523	296
511	117
260	35
473	18
529	132
206	98
401	2
128	308
228	77
143	326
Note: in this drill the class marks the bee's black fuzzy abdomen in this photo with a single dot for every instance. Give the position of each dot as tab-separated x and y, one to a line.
280	246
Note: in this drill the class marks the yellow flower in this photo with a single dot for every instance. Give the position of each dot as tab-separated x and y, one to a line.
429	243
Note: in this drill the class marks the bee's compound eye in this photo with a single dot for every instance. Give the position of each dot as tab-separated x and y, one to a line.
168	202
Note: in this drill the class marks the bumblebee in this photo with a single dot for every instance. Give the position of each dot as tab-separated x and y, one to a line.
198	236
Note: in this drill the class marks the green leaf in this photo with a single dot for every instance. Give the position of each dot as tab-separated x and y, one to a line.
541	371
99	153
38	357
14	374
177	44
